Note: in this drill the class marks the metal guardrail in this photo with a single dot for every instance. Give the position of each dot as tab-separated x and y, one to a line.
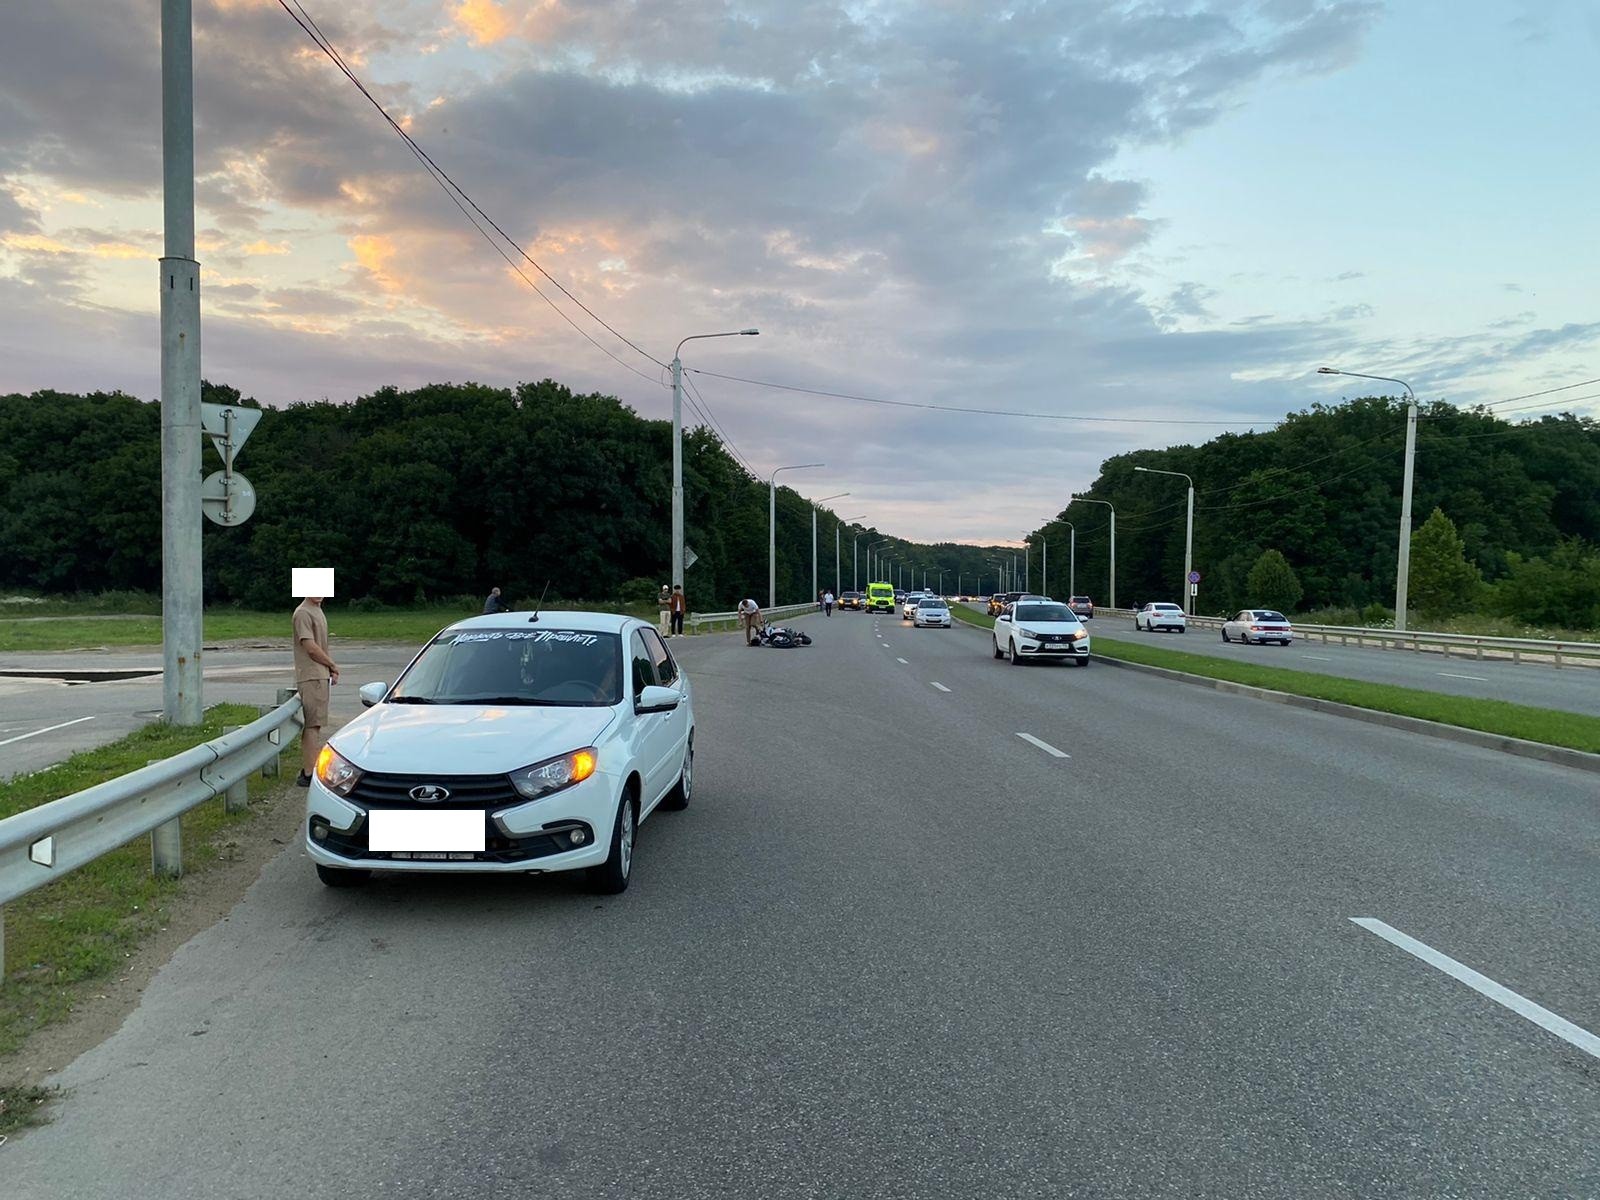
731	619
42	844
1469	645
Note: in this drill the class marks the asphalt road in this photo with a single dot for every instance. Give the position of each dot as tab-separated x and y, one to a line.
44	720
1571	689
893	949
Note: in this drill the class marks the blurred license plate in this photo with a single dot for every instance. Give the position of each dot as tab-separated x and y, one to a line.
402	830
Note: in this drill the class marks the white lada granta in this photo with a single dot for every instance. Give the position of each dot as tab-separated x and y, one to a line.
516	742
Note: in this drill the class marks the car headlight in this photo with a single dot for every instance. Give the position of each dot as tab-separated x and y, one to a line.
553	774
336	772
1027	633
1080	635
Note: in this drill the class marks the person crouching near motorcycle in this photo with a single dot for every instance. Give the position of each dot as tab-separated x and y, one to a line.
750	619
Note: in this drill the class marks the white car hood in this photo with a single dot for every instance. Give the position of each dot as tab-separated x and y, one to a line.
465	739
1028	627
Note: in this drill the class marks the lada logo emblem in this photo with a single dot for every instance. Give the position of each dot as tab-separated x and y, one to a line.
430	793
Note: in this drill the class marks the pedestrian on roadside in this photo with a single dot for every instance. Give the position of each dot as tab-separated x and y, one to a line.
750	618
679	604
664	601
827	604
314	672
494	604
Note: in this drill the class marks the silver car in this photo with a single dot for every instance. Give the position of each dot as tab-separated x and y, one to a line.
931	613
1258	625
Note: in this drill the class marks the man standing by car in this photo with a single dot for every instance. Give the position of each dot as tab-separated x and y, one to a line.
665	602
749	617
679	604
314	671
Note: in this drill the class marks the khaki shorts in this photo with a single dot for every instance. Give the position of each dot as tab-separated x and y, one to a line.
314	696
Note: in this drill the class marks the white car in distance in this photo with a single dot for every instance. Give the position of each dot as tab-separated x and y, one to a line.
1258	625
931	613
908	607
1041	630
1160	616
516	742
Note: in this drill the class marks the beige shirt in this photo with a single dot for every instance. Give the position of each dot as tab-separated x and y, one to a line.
310	622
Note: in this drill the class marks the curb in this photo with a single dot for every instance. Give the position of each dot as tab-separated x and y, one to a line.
1560	755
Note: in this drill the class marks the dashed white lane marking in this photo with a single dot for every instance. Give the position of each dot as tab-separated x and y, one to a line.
1482	984
940	686
48	729
1474	678
1318	657
1045	746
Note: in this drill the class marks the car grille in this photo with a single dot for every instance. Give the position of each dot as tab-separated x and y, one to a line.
377	790
498	848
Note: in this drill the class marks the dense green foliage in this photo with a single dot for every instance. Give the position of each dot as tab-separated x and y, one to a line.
1323	488
412	496
1442	581
1273	583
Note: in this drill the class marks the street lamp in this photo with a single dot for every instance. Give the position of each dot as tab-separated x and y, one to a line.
772	529
838	542
1072	561
815	504
1188	538
871	546
872	559
1402	580
677	446
1112	583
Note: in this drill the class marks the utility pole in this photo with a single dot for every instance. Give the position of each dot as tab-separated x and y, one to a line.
181	585
1402	584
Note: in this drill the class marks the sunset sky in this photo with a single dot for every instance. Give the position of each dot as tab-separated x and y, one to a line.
1166	211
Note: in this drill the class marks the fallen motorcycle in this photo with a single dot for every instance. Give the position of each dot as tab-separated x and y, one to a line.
780	637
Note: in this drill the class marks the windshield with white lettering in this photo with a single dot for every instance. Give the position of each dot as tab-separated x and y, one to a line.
557	667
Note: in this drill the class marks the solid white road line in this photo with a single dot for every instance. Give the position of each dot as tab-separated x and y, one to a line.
1474	678
1045	746
1318	657
50	729
940	686
901	660
1521	1005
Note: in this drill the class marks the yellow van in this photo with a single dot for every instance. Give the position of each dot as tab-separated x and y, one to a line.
880	597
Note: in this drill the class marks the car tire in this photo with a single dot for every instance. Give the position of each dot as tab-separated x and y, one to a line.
342	876
1081	662
678	798
1224	635
1183	629
1016	659
610	878
998	653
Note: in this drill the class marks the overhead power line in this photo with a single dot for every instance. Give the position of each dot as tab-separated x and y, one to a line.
1566	387
463	200
989	412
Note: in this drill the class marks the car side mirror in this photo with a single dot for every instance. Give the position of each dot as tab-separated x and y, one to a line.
657	699
372	693
1001	617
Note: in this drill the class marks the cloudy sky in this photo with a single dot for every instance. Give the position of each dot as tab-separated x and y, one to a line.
1159	212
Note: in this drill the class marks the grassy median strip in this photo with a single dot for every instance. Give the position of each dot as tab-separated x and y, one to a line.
410	625
62	937
1549	726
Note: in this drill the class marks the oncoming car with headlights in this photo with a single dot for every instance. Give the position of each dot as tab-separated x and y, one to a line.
509	744
1041	630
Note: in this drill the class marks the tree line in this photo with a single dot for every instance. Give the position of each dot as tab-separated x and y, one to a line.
1506	516
415	496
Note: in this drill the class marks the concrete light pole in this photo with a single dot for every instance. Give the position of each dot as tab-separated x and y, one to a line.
1112	581
677	446
181	584
772	529
1402	578
1188	538
838	534
815	504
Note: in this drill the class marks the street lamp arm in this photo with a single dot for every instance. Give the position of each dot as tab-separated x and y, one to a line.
1359	375
730	333
1158	471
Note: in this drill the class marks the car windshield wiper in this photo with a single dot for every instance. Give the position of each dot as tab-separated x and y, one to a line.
507	700
414	700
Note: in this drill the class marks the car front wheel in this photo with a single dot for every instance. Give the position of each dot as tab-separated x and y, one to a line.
610	878
998	653
342	876
1016	659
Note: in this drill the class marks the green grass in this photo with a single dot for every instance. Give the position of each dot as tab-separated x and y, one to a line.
22	1106
962	613
62	937
1549	726
88	631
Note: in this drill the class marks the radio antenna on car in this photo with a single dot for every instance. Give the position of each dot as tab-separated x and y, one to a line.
540	605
